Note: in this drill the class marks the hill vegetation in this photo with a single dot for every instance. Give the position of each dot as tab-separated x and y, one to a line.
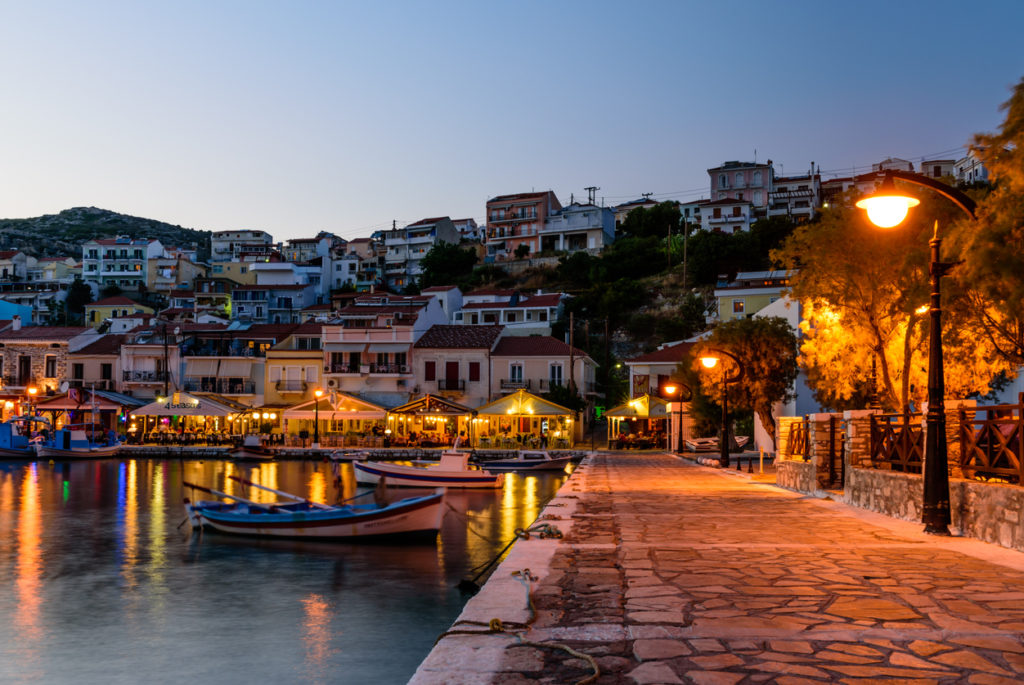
62	235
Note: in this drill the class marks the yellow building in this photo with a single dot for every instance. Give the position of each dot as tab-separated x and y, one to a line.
239	272
750	292
112	307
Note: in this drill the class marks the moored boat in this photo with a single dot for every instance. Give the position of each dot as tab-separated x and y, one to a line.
252	448
301	518
529	460
452	471
74	443
14	437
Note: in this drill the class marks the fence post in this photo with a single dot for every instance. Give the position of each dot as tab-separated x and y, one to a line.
858	438
819	437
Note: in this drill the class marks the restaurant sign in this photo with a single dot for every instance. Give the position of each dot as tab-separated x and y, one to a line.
182	405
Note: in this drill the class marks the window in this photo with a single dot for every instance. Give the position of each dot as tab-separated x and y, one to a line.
739	179
736	211
474	371
737	306
757	197
400	359
515	372
50	366
718	212
78	371
757	178
106	371
430	371
723	181
555	374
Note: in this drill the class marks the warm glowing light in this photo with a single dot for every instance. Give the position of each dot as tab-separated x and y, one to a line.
886	211
671	389
923	309
709	362
256	415
318	392
33	390
266	415
273	416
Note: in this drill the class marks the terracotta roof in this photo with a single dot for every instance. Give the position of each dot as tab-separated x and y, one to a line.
112	301
519	196
7	254
326	306
438	289
427	222
729	201
492	291
43	333
308	328
459	337
672	353
184	293
267	330
107	344
533	346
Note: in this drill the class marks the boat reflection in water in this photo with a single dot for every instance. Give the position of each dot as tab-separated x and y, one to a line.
98	584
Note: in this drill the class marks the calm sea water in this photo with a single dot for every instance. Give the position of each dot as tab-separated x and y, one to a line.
99	584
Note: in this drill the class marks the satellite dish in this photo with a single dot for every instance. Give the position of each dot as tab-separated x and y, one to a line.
64	386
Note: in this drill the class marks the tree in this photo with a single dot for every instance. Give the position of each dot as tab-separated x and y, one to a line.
991	247
864	294
522	250
565	396
111	290
79	295
447	264
767	348
657	221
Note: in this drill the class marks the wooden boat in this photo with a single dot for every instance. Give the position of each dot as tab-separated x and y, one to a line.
529	460
14	438
252	448
74	443
348	455
452	471
301	518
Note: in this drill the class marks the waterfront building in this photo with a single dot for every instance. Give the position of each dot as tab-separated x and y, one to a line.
651	372
453	362
97	365
538	364
33	359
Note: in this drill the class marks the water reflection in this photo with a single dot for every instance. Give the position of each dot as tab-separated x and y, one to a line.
92	549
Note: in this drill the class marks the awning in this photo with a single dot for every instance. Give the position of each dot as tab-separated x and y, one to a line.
67	403
235	368
344	347
643	407
200	367
183	404
344	407
389	347
522	403
432	405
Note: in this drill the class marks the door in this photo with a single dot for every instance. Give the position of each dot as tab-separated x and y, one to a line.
451	375
24	370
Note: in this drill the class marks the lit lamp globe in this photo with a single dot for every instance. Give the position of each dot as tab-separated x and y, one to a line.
709	362
887	207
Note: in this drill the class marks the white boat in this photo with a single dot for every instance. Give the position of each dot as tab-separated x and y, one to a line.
348	455
529	460
452	471
301	518
251	449
73	443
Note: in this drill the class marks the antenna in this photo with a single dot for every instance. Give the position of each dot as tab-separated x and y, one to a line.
591	193
647	196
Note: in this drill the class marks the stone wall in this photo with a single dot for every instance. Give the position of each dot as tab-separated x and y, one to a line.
796	475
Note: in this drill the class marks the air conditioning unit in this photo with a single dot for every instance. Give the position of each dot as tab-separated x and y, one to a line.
332	382
400	382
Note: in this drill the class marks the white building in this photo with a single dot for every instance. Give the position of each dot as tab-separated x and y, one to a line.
970	169
227	246
578	227
727	215
796	197
120	261
406	248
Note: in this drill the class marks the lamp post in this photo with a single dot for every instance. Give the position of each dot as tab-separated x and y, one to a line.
32	391
671	389
167	369
318	393
886	208
709	360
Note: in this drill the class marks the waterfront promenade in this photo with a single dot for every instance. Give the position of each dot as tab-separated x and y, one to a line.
670	572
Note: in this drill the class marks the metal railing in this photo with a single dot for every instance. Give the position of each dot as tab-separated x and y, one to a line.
451	384
290	386
515	384
991	447
897	442
220	386
389	368
143	376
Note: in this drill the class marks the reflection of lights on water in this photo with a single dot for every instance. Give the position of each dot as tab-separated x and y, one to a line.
317	636
317	487
265	475
130	541
157	535
530	499
29	569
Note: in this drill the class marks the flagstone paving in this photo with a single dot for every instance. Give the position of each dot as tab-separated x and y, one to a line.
675	573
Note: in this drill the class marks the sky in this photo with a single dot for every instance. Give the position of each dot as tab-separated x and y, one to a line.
297	117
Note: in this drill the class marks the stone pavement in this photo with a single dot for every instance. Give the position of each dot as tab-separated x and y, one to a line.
676	573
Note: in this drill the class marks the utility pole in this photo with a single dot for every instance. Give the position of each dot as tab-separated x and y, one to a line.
572	355
591	193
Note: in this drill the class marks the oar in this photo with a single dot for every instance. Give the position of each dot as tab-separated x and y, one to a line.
282	493
218	493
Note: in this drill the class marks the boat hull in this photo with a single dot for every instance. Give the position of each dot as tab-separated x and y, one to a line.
251	454
557	464
414	515
77	453
417	477
16	453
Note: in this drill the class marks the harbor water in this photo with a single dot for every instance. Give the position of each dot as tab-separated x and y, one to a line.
102	582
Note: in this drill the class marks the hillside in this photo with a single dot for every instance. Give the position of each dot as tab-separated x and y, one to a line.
62	235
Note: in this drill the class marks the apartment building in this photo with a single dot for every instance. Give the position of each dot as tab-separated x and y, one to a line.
578	227
406	248
796	197
749	292
744	181
539	363
120	261
228	246
453	362
727	215
514	220
520	314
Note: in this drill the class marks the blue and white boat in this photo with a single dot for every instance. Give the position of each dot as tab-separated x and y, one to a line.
73	442
528	460
301	518
452	471
14	437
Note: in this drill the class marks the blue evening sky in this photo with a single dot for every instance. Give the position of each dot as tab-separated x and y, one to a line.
295	117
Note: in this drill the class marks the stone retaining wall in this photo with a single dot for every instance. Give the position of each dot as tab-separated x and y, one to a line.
796	475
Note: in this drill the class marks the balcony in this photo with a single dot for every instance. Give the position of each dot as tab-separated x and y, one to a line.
549	384
143	376
290	386
92	384
342	368
389	369
515	384
18	381
220	386
451	385
727	219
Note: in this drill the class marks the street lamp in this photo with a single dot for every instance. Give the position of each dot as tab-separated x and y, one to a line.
686	395
709	360
32	400
886	208
318	393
